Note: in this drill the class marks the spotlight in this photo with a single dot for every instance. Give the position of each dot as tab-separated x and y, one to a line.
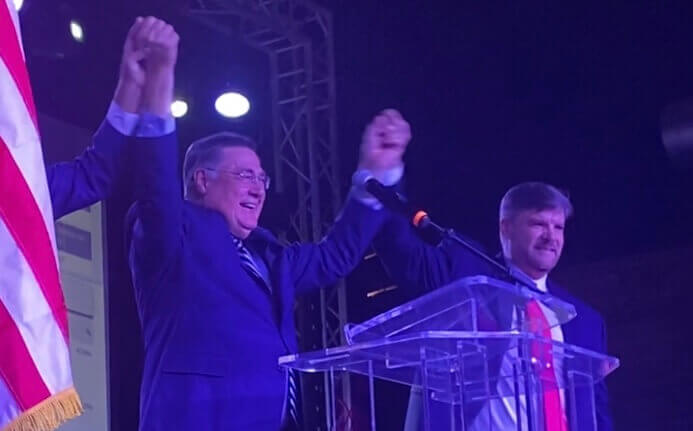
18	4
179	108
232	105
76	31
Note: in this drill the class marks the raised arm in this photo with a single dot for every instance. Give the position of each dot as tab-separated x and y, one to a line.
90	177
318	265
154	222
415	264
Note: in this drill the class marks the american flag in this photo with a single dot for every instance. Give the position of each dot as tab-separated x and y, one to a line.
36	390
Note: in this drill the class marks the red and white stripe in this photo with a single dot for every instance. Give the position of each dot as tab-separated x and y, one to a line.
34	355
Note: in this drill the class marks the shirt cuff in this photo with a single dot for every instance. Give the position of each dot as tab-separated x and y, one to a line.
123	122
388	178
153	126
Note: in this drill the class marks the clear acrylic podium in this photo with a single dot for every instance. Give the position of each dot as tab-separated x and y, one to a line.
467	350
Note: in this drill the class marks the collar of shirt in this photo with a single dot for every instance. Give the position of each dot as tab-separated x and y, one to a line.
541	284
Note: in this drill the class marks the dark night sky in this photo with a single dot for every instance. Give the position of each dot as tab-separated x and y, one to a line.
503	92
496	92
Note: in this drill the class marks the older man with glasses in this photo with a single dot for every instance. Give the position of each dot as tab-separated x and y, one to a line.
215	292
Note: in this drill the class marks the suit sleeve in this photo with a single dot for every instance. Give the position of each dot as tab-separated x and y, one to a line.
155	221
322	264
417	266
90	177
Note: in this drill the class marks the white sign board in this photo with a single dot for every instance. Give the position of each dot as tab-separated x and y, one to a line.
80	251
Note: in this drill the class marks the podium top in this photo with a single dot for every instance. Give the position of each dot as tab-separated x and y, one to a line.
477	303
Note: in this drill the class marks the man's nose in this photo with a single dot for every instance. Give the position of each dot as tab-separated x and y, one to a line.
256	189
550	234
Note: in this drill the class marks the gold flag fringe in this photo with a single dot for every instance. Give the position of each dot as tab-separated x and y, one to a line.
49	414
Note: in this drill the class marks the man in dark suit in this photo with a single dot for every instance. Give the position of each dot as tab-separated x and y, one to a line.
215	292
531	224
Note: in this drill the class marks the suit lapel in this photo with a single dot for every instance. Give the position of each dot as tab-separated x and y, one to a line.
269	249
569	328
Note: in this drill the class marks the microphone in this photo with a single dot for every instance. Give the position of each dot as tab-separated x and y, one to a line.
396	202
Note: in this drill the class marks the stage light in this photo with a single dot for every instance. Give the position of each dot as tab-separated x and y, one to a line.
76	31
179	108
18	4
232	105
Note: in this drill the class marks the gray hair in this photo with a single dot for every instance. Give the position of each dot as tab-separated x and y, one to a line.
533	196
205	152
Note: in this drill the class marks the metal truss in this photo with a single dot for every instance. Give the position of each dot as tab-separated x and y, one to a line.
297	36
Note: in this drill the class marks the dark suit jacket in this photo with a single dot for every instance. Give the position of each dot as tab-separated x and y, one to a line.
90	177
417	267
212	335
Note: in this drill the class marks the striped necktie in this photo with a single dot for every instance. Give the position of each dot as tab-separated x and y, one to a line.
293	399
248	263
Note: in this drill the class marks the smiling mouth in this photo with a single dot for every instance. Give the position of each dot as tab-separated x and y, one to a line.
249	206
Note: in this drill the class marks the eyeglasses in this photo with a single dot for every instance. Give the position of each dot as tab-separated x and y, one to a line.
246	176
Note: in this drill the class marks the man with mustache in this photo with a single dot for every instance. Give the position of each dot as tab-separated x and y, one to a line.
532	220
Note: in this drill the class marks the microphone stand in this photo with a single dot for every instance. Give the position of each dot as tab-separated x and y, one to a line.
519	279
392	199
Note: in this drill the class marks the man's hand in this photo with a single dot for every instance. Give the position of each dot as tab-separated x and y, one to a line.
159	43
384	142
131	79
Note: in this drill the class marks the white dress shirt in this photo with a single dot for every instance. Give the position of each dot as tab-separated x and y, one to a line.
500	414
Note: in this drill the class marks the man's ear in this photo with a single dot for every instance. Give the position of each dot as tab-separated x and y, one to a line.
504	229
200	181
504	226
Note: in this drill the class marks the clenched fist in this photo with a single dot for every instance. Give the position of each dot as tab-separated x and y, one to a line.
384	142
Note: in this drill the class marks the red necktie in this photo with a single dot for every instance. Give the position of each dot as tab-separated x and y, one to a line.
553	411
